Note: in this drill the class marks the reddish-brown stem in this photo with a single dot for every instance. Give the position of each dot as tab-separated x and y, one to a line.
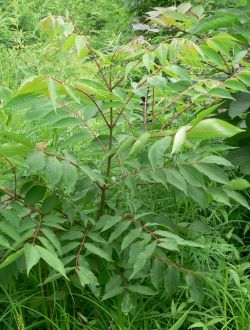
86	94
86	125
225	62
176	116
99	67
123	77
37	230
132	94
151	233
158	240
103	193
20	200
61	158
129	174
7	200
80	248
72	163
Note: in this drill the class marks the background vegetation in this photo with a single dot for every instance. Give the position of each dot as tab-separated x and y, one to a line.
75	205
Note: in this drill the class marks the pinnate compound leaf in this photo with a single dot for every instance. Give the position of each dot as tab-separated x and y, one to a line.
148	61
237	197
125	145
240	105
244	76
126	304
11	258
130	237
235	84
113	292
36	161
52	260
11	149
198	195
142	258
157	150
98	251
51	236
239	184
10	230
32	256
192	176
35	194
212	128
195	288
53	170
107	221
214	159
70	176
94	175
219	196
176	179
157	273
213	172
216	21
52	91
184	7
169	244
141	289
120	228
86	277
172	280
221	93
204	114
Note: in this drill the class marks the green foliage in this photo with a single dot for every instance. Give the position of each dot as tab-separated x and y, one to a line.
88	181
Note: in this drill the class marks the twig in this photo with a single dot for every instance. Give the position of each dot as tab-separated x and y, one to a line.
85	124
80	248
176	116
14	172
132	94
86	94
99	67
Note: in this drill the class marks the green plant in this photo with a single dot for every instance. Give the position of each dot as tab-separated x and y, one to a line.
86	185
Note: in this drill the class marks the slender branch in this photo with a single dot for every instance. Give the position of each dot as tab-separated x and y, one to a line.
103	193
132	94
80	249
122	177
177	98
7	200
20	200
216	68
158	240
85	124
37	231
99	67
151	233
86	94
61	158
124	76
14	172
176	116
226	63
